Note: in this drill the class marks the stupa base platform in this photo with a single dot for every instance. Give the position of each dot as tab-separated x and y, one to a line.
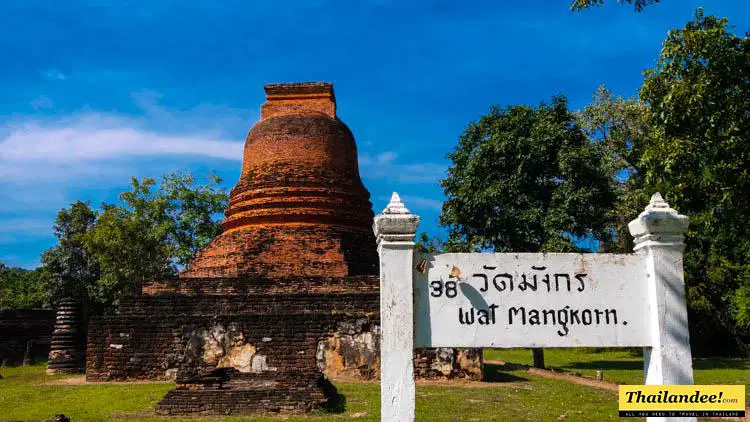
227	392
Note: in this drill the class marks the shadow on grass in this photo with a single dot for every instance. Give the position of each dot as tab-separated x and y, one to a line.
698	363
721	363
336	402
606	364
497	373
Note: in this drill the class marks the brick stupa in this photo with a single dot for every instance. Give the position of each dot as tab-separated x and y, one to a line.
287	293
300	207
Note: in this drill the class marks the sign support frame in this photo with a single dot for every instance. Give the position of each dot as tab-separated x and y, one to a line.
658	231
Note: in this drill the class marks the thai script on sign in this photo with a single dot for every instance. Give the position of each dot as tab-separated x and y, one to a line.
538	279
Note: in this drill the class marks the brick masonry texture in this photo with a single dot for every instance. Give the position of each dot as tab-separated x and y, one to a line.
300	207
288	293
67	353
20	328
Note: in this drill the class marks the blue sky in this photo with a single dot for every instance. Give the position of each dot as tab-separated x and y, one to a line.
92	93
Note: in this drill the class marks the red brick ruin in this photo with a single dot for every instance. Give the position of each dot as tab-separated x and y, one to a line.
285	296
299	208
25	335
67	352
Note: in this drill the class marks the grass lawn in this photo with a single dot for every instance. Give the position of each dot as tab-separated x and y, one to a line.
22	396
514	396
511	394
624	367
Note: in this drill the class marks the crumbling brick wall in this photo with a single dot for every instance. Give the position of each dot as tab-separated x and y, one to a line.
199	324
157	334
21	328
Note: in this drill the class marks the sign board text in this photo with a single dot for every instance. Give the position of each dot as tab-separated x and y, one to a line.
530	300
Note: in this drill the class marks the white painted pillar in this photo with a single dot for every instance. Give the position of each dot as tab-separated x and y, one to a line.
395	228
659	232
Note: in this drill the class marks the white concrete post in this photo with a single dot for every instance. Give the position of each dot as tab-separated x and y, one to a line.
659	231
395	228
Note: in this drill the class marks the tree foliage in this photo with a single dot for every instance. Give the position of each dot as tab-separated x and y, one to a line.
191	209
427	244
68	269
699	157
526	179
620	127
101	257
130	244
20	288
152	232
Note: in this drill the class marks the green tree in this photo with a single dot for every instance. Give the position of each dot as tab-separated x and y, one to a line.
152	232
20	288
620	126
68	270
639	5
427	244
191	209
699	158
526	179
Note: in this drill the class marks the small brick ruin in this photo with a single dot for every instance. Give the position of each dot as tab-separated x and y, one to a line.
25	335
288	293
67	354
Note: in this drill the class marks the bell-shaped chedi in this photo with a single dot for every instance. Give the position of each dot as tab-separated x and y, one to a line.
299	208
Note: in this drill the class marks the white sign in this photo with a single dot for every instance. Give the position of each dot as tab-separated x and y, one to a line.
530	300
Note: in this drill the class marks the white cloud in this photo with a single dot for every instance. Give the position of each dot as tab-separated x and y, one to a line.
94	137
384	166
47	162
385	158
89	146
